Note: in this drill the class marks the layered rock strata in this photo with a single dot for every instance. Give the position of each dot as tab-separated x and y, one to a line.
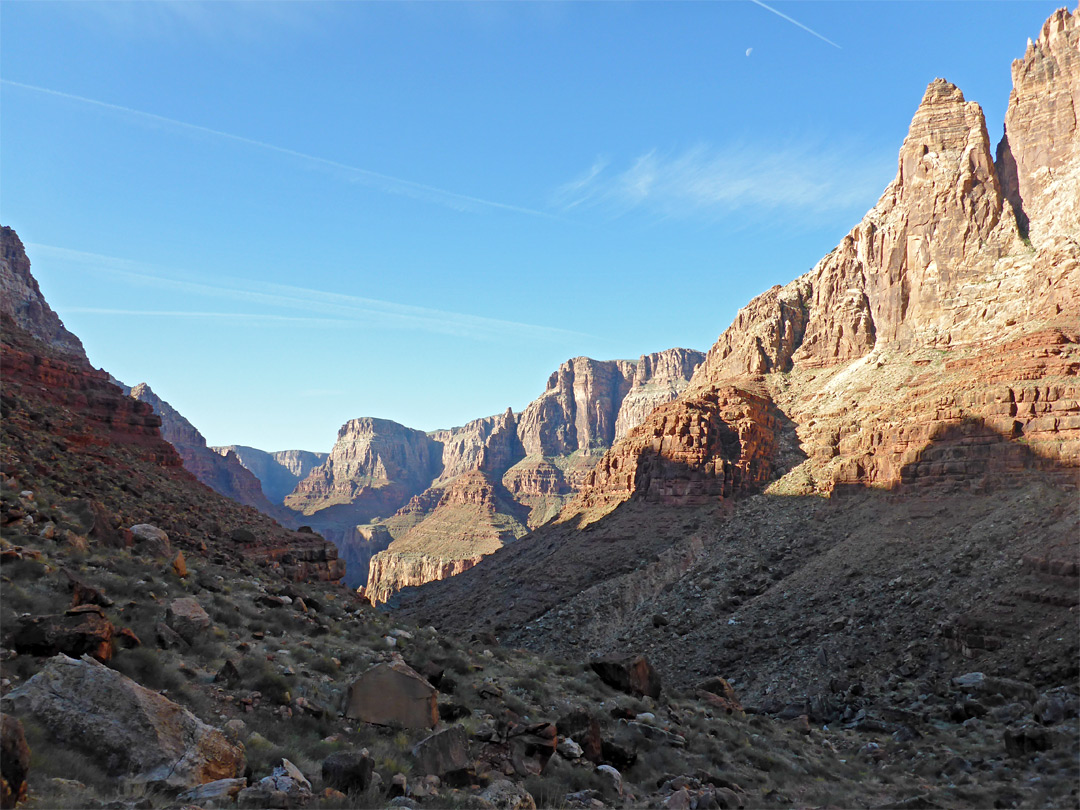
538	458
703	448
22	301
374	468
222	473
658	379
68	427
279	472
937	269
1038	156
473	517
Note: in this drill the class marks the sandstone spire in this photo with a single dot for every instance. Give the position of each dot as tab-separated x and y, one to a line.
1039	155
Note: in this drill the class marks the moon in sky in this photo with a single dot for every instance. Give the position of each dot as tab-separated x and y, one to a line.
749	51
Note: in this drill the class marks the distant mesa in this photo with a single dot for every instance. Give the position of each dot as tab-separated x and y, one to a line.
278	472
449	497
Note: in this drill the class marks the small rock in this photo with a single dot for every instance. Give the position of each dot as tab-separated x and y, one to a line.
505	795
167	638
1050	710
568	749
234	729
398	785
228	675
186	616
1027	739
679	800
126	637
15	756
179	565
151	540
613	775
220	790
971	680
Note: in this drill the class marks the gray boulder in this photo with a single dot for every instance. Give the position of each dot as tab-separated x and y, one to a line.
129	730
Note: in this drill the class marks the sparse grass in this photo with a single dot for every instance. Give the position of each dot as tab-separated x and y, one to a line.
50	759
148	667
260	675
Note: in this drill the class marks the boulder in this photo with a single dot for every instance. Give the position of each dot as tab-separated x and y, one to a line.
229	676
348	771
96	523
505	795
1027	739
81	630
167	638
14	762
722	689
444	752
568	749
129	730
393	694
285	787
221	791
186	616
632	674
151	540
585	728
531	746
613	776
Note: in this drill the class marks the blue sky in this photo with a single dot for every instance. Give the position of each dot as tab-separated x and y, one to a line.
285	215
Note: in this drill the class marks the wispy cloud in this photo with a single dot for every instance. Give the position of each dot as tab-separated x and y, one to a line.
336	309
794	22
708	181
383	182
247	318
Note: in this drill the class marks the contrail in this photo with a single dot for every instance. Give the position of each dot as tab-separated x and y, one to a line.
341	308
795	22
389	184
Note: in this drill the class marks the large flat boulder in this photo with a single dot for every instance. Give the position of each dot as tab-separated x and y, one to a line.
81	630
129	730
393	694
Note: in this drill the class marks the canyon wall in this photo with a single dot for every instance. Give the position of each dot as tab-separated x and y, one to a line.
927	366
374	468
279	472
70	428
22	301
939	340
474	516
534	462
222	473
